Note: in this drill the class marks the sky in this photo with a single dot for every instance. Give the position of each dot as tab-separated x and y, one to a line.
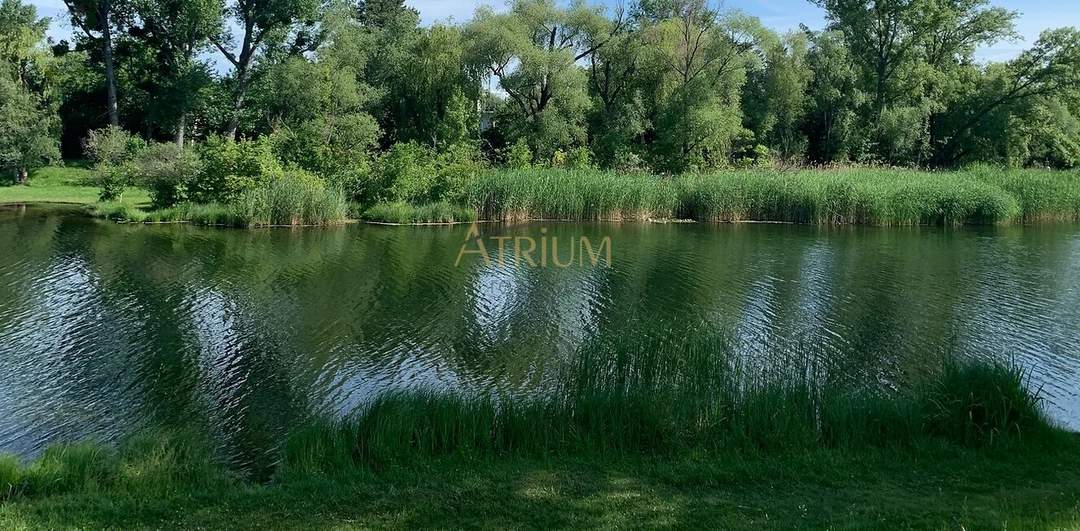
782	15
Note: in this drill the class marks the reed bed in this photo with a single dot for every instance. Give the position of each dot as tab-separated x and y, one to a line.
404	213
875	196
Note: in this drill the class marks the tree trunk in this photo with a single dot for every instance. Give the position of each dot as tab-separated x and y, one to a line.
23	176
110	70
238	102
180	130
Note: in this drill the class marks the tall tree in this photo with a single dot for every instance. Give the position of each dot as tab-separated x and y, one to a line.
28	122
533	51
834	97
774	99
1050	69
258	21
177	30
95	19
700	60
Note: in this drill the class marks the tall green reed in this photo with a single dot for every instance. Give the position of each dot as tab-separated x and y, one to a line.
664	395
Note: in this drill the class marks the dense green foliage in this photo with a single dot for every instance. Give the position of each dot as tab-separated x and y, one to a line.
360	97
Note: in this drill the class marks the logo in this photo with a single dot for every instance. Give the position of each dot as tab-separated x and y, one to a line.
530	251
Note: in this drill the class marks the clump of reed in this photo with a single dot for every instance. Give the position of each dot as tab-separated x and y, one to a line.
1042	195
514	195
150	464
400	212
619	399
289	201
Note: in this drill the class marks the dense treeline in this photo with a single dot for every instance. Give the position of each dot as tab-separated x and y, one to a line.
357	95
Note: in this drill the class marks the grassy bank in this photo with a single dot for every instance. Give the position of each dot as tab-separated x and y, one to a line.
864	196
281	203
65	184
980	195
874	489
638	439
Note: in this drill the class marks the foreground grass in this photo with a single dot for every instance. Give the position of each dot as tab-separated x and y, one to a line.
969	448
940	489
64	184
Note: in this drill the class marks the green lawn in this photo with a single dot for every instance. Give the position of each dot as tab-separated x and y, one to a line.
62	184
940	489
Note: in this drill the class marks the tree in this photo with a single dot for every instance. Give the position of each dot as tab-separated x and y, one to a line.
20	33
617	115
775	99
834	97
27	121
318	108
699	59
177	30
533	51
908	52
258	21
433	95
1048	71
95	19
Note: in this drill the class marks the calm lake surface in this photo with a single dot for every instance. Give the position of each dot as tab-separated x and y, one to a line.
109	329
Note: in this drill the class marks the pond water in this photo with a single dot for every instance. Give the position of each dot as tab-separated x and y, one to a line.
108	329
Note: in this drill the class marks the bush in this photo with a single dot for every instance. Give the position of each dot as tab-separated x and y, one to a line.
231	169
415	174
519	156
167	171
113	180
112	146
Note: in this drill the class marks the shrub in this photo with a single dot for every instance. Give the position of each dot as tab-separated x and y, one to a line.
519	156
112	146
409	170
113	180
232	168
579	158
167	171
413	173
326	146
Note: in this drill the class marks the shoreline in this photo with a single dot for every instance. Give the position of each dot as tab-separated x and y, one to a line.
658	221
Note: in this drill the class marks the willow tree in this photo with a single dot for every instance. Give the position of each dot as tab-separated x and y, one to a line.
699	58
533	51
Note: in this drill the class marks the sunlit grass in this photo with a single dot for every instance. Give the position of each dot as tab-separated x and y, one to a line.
72	183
